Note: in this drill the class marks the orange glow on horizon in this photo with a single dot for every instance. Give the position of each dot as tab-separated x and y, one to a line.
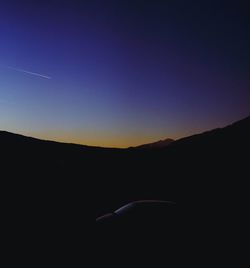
99	140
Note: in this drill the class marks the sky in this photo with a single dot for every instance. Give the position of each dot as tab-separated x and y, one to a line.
122	73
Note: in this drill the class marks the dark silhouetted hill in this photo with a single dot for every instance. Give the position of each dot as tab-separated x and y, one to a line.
117	176
207	175
50	186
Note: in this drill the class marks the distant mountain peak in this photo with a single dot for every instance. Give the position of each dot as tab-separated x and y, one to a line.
157	144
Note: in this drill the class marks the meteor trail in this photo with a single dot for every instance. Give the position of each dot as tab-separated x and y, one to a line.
28	72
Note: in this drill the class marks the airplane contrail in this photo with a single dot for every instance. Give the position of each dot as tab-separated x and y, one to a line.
28	72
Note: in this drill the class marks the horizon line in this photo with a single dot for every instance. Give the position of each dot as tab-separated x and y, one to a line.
114	147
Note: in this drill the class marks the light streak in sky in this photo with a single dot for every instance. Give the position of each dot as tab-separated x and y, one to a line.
28	72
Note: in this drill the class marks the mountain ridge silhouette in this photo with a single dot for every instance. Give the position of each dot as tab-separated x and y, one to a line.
156	144
120	176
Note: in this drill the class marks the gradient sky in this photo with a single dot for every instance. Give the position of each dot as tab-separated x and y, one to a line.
121	73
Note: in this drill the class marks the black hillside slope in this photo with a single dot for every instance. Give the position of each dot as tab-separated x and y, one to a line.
50	187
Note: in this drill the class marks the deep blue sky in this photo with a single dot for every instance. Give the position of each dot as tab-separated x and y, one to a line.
122	72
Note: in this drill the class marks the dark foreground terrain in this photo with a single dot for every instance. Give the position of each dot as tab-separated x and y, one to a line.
51	192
